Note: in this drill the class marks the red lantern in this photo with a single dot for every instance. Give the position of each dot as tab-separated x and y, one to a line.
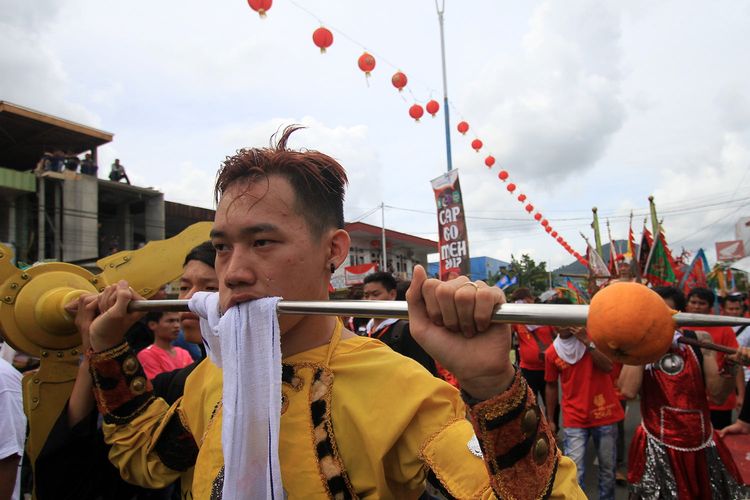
463	127
366	63
399	80
489	161
521	197
432	107
529	208
322	38
545	223
511	187
559	239
548	229
554	234
537	216
416	112
476	144
503	175
260	6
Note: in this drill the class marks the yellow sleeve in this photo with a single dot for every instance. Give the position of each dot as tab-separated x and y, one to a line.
134	446
514	456
151	442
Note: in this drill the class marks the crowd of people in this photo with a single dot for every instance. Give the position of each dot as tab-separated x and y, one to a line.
60	161
438	406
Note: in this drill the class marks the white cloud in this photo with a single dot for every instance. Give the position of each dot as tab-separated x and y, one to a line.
551	111
584	102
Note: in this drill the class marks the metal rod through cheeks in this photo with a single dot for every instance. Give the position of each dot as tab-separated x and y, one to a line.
539	314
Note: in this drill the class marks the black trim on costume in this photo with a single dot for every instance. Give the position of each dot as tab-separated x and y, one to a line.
496	423
518	452
176	447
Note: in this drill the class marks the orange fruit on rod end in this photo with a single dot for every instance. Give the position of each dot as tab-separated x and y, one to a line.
630	323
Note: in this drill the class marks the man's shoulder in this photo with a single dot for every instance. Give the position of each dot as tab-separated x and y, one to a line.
551	352
364	354
10	378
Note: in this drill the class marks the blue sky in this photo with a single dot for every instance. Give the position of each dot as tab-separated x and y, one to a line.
586	103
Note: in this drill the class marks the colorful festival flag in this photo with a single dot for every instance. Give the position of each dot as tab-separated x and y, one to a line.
716	279
575	293
630	253
644	250
505	281
454	240
696	275
659	270
596	265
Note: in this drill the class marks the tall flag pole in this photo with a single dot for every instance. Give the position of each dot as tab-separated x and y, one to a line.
446	110
612	253
655	226
644	250
597	235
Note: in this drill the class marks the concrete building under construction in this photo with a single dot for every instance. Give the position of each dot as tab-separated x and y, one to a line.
59	214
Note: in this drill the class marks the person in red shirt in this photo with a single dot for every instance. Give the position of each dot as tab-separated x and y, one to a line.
701	301
161	356
590	407
675	451
533	341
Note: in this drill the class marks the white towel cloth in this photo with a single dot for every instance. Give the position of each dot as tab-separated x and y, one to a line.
570	350
245	344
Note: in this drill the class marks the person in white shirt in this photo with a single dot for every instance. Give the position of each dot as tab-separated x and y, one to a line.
12	431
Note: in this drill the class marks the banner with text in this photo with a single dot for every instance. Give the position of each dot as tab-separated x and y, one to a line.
454	241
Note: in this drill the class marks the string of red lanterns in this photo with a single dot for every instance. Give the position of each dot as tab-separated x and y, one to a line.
323	39
260	6
432	107
416	111
399	80
366	63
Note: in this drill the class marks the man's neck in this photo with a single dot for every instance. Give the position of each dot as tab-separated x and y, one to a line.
163	344
309	333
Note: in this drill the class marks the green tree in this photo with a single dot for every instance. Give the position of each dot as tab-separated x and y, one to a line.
529	274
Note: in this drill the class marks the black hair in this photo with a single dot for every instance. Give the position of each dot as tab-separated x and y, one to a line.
522	293
382	277
674	294
154	316
318	181
734	297
205	252
703	294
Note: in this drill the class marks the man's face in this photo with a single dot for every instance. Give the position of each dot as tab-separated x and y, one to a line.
698	305
196	277
264	248
168	326
733	308
564	331
376	291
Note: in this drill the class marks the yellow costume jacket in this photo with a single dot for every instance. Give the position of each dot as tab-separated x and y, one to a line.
358	421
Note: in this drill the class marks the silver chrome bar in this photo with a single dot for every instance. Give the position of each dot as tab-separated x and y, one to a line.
541	314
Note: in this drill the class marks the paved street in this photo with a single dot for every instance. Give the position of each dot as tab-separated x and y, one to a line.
632	419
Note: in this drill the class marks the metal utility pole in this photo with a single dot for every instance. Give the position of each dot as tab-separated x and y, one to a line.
382	235
440	10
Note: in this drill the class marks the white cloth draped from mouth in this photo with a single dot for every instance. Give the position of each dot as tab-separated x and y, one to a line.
570	350
245	343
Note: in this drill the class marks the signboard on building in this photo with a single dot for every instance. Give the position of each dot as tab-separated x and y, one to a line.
729	250
355	275
454	240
